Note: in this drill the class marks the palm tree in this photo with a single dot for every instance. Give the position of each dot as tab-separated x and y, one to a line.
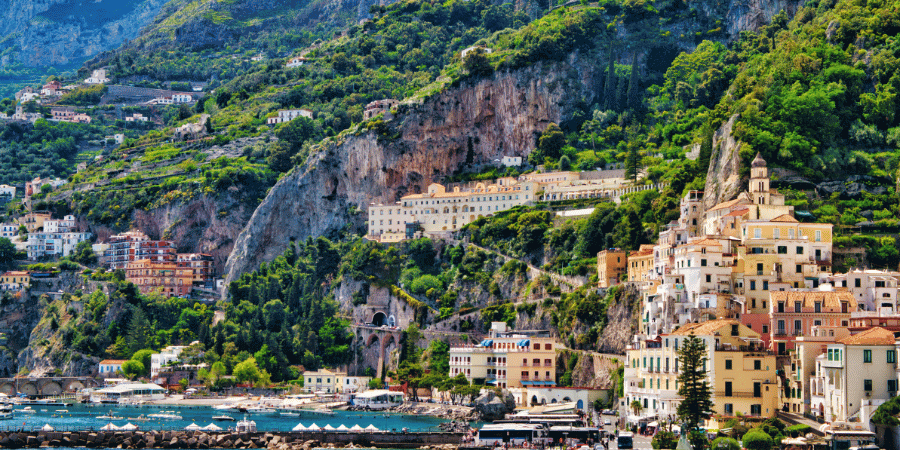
636	407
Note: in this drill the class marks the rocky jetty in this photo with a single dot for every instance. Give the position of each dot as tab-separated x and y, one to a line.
225	440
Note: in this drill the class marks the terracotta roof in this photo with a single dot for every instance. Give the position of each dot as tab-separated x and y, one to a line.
809	299
737	213
112	361
705	328
872	336
758	161
785	218
706	243
15	273
639	254
727	204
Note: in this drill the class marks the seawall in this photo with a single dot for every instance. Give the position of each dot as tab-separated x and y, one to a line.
229	440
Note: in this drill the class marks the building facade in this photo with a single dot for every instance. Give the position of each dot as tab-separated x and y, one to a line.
612	265
508	359
165	278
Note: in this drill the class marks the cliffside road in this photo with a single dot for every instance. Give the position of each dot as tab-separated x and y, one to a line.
565	283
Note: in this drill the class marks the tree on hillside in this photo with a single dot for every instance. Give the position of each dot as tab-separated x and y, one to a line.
132	369
7	253
476	63
694	388
550	144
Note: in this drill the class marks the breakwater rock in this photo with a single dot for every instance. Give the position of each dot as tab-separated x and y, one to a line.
229	440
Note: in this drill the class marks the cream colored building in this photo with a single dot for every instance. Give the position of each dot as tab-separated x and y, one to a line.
742	374
508	359
331	382
804	391
640	265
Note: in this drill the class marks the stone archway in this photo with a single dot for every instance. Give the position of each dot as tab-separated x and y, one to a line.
51	388
534	400
28	389
392	321
8	388
379	319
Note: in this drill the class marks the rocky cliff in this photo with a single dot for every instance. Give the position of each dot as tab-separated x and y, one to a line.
723	179
481	120
64	32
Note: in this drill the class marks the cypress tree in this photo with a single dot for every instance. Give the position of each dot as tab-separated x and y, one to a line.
633	97
610	94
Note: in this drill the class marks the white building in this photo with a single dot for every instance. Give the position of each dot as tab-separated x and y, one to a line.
110	366
98	76
511	161
182	98
858	373
6	189
58	238
287	115
9	230
164	358
128	391
874	290
296	61
378	399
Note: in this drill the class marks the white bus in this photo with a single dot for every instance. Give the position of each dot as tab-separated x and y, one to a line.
515	434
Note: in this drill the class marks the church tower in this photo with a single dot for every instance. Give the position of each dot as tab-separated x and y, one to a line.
759	181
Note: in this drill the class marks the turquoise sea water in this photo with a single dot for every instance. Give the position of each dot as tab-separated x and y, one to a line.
84	417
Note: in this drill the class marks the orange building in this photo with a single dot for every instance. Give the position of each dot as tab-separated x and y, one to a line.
164	277
200	265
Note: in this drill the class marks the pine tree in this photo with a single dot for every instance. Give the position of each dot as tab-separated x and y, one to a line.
632	161
139	330
694	387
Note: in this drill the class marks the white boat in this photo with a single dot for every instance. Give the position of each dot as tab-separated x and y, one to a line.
246	426
224	418
110	417
290	414
62	411
260	410
26	410
140	418
165	415
5	415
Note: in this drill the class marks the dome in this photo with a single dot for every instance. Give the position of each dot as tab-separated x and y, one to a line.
758	161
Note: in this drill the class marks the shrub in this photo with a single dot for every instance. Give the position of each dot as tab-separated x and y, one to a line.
725	443
757	440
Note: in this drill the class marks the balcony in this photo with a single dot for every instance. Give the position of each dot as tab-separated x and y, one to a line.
780	332
750	348
735	394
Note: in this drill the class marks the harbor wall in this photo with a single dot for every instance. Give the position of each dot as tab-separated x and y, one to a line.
225	440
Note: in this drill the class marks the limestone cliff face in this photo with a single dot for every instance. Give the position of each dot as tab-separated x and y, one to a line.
723	179
496	116
748	15
62	32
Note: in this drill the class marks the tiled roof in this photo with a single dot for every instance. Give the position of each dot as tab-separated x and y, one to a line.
809	299
727	204
737	213
706	243
872	336
785	218
705	328
112	361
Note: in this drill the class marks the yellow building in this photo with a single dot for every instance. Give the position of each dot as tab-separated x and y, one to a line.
22	279
611	265
508	359
640	264
741	372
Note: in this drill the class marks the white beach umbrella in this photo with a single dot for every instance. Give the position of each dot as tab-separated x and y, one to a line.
299	427
328	427
192	427
212	427
109	427
372	428
314	427
356	428
342	427
128	427
47	427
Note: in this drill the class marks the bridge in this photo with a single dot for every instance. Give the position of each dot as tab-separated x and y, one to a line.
44	386
384	337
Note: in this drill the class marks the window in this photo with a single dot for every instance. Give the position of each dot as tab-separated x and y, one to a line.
765	285
756	410
548	346
782	249
702	263
757	233
727	364
891	356
867	356
799	250
765	329
708	278
818	307
892	385
797	307
757	364
858	282
818	235
867	385
830	354
752	285
728	389
777	235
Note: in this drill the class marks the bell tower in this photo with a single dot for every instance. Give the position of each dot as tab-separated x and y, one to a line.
759	181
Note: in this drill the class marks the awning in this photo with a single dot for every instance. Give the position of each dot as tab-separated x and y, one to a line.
486	343
524	343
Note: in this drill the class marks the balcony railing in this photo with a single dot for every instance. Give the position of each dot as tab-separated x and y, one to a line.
780	333
750	348
735	394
